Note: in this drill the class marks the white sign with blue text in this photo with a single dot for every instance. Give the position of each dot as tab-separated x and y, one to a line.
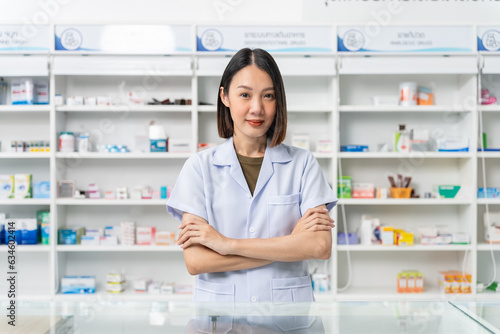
488	38
312	39
442	39
24	38
126	39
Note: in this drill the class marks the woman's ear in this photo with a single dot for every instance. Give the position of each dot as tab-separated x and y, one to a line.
223	97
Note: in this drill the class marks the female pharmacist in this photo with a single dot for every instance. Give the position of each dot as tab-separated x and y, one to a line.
253	210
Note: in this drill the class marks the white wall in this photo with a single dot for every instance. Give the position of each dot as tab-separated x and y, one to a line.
248	11
157	11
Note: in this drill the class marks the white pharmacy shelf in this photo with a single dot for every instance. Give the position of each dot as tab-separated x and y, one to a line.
130	155
26	248
396	248
24	201
127	108
489	108
398	155
117	248
128	295
42	108
484	246
324	296
25	155
403	201
86	201
490	154
490	201
28	293
389	293
401	109
488	296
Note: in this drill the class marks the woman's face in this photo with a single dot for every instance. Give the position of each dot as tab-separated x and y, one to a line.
251	101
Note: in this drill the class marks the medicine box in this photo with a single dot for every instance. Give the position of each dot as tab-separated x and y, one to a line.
28	231
165	238
178	146
354	148
6	186
344	187
78	284
70	236
167	288
90	240
145	235
387	235
489	192
154	287
343	238
141	285
22	186
363	190
43	222
158	145
41	189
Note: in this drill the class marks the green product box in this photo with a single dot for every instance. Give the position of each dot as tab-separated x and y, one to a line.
447	191
344	187
43	222
22	186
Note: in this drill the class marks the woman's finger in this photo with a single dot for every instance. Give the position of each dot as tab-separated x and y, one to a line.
187	235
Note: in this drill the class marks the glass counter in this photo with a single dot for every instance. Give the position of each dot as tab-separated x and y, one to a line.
95	316
485	313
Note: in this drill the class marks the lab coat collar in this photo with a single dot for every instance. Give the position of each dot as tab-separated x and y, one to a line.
225	155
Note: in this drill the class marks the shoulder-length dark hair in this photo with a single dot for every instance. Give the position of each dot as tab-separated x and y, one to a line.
263	60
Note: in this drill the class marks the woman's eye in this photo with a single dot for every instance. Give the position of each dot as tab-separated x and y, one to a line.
245	95
269	96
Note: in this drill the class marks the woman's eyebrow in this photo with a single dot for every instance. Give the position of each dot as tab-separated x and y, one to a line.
250	88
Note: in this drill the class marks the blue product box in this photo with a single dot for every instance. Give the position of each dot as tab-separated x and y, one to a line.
67	237
41	189
158	145
343	237
78	284
163	192
2	232
28	230
489	193
354	148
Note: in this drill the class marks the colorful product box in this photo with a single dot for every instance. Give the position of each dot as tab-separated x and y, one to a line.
78	284
387	235
363	190
344	187
410	281
165	238
28	231
454	281
70	236
6	186
43	222
22	186
145	235
490	192
41	189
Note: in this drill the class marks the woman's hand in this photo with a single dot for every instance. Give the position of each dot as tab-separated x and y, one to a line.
314	219
196	231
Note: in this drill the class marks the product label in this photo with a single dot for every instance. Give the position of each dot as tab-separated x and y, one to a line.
311	39
24	38
123	39
488	38
439	39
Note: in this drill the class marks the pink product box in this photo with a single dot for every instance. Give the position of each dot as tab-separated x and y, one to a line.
363	190
145	235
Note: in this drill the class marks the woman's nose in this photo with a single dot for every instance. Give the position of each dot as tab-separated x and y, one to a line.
256	106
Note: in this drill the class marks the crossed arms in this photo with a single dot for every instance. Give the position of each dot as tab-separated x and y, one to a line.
206	250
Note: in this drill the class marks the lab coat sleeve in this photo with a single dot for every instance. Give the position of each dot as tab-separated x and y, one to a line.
315	190
188	194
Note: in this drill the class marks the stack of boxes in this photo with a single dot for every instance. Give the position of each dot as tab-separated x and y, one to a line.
127	233
115	283
410	281
454	281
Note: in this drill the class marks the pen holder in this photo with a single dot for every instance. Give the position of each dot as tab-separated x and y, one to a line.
400	192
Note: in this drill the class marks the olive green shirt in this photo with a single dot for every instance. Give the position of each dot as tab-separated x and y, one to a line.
251	168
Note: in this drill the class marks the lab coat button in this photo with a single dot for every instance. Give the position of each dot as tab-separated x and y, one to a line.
254	299
252	229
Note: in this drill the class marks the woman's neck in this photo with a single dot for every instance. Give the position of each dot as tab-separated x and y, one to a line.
255	147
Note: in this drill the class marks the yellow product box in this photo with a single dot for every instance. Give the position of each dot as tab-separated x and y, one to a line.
445	280
403	238
402	282
419	282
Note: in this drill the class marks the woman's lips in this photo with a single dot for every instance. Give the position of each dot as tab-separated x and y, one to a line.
255	122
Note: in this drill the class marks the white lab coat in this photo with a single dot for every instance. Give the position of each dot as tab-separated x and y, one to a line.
211	185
